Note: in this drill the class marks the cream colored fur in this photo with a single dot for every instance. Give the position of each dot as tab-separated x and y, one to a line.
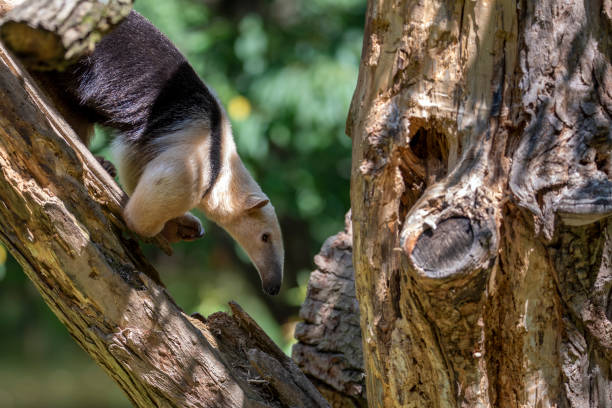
174	182
163	190
169	185
237	203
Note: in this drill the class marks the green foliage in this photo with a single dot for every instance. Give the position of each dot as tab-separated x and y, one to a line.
285	70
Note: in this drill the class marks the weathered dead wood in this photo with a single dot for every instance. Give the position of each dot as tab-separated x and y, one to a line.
60	216
329	349
481	193
59	221
54	34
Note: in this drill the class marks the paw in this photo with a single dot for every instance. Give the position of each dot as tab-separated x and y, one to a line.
184	228
108	166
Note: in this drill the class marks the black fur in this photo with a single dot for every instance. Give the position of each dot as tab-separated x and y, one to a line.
137	82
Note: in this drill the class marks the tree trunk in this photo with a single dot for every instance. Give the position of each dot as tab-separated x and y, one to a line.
481	193
329	339
60	216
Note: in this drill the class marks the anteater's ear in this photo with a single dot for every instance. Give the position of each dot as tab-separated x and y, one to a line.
255	201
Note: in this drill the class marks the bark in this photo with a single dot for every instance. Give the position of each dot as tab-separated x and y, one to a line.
54	34
481	193
60	216
329	339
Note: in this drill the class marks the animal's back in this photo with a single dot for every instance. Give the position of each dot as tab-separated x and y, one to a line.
138	82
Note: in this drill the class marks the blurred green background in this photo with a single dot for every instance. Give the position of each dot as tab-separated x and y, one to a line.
286	71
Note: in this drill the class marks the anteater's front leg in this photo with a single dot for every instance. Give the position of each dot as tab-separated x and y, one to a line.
168	187
184	228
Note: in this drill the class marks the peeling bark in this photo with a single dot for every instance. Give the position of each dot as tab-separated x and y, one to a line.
481	193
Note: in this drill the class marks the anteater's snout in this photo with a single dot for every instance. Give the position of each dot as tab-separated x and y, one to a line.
272	280
272	289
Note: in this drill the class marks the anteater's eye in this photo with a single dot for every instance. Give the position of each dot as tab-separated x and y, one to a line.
265	237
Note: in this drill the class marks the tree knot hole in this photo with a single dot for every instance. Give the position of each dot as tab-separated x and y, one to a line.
445	250
433	149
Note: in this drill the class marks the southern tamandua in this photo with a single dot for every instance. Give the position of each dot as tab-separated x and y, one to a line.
173	147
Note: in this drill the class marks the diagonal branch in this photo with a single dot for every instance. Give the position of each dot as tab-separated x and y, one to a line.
60	217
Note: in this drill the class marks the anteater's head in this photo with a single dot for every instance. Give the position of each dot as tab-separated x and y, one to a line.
256	229
237	203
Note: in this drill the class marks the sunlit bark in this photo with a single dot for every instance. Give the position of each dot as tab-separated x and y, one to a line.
60	217
481	193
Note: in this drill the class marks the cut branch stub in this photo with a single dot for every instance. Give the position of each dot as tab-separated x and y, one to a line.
439	251
563	164
54	34
476	125
455	245
586	204
452	231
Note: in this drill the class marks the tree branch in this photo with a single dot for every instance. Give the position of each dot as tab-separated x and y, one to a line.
54	34
60	216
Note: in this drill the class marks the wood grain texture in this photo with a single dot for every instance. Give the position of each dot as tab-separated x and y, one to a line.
481	179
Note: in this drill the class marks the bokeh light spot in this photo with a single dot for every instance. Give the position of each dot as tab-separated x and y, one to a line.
239	108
